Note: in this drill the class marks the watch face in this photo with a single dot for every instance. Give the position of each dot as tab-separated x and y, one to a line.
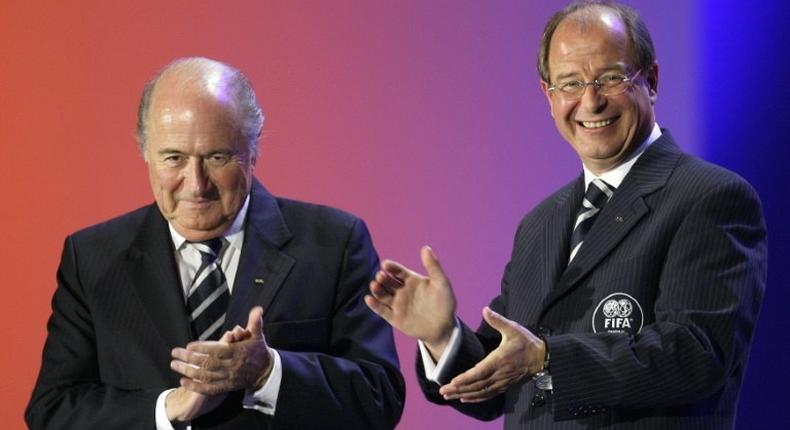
543	381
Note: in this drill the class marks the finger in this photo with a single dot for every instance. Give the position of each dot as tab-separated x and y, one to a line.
378	287
238	332
198	359
392	279
491	389
184	354
478	397
398	271
382	294
498	322
431	263
378	307
227	337
452	391
477	389
212	348
473	377
255	322
388	282
197	373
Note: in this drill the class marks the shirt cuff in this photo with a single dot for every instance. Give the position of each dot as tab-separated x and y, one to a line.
162	423
433	371
265	399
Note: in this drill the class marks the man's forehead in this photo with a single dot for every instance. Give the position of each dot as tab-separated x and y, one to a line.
599	41
595	16
174	99
585	23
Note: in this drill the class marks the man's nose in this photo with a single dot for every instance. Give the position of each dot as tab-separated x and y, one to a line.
196	178
592	100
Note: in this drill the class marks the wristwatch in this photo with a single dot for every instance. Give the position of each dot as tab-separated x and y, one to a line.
543	378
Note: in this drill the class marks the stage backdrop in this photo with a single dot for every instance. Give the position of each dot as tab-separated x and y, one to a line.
423	117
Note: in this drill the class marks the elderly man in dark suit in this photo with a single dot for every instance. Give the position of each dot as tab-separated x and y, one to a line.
632	292
221	306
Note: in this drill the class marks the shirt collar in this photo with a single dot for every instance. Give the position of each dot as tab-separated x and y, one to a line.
234	234
615	176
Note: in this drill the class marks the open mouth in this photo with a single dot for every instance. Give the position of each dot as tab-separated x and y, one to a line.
596	124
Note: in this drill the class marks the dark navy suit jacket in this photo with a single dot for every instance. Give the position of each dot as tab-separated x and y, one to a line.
649	326
118	311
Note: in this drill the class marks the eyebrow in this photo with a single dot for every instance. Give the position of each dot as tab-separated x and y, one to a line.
600	72
167	151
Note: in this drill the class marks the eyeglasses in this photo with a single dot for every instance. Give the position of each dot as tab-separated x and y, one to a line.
608	84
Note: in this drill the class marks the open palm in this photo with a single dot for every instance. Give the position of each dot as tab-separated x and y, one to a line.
420	306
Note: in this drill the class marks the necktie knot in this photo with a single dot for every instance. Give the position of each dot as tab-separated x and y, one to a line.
598	193
210	249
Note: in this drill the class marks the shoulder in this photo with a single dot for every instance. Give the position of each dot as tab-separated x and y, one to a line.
316	220
696	180
115	234
117	230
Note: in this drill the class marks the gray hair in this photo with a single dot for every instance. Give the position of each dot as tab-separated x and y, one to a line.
641	42
239	88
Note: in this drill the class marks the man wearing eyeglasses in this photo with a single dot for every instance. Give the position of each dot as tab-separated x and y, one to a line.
632	292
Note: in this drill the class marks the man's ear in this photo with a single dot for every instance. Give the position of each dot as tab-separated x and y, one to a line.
544	87
652	82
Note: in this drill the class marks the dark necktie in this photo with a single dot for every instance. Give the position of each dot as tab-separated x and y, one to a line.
598	193
208	296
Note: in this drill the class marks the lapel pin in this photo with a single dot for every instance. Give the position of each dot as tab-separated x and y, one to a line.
619	219
258	281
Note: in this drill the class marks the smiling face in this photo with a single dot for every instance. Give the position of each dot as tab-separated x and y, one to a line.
199	165
602	130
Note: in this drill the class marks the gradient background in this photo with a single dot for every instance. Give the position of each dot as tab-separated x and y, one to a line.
423	117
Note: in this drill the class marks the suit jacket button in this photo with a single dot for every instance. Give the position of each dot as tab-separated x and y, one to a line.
538	400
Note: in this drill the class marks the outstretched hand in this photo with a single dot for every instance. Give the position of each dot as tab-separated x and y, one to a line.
519	355
419	306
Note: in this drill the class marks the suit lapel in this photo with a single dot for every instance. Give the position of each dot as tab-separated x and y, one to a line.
262	266
152	268
621	214
556	236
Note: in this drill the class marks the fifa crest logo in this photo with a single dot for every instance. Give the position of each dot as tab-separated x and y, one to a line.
618	313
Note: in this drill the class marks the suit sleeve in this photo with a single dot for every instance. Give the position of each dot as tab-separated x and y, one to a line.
709	294
70	392
356	384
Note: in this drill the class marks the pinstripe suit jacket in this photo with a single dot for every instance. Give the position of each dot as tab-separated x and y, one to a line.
682	242
119	310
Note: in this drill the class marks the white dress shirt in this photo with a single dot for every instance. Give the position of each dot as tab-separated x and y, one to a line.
433	369
189	259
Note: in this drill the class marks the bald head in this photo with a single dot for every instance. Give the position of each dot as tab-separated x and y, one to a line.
201	80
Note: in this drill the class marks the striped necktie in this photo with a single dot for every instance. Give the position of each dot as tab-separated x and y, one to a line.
208	296
598	193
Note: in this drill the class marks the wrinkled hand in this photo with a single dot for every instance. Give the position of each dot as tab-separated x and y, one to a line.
519	355
216	367
185	405
421	307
